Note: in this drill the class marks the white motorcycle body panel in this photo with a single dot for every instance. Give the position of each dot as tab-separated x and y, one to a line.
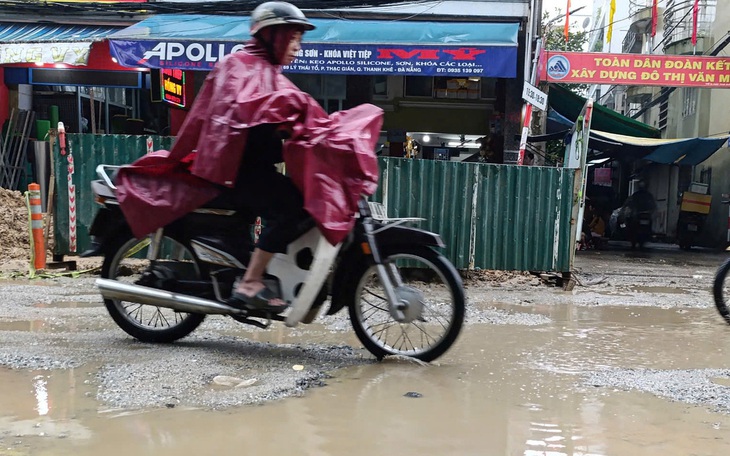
308	281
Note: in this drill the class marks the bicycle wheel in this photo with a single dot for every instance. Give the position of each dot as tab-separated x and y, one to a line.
721	290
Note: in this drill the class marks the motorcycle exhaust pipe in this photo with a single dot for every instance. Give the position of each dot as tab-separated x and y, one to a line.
112	289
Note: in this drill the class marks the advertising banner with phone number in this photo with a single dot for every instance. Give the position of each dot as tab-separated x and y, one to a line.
362	59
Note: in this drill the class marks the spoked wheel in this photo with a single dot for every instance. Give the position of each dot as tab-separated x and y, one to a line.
721	290
432	293
127	263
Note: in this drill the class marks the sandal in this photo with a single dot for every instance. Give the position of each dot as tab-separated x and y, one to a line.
260	301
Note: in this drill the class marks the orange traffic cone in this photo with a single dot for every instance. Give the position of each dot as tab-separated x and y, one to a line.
38	241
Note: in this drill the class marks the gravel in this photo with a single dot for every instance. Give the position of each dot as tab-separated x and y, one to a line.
60	323
70	328
693	386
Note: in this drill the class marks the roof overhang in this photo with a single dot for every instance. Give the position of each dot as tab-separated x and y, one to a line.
336	46
49	43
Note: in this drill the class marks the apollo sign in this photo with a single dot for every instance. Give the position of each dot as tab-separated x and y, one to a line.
193	52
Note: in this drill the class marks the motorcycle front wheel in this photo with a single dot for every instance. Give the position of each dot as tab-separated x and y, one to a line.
127	262
430	283
721	290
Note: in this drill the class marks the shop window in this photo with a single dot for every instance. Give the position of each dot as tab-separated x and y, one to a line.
418	86
328	89
473	88
380	86
488	88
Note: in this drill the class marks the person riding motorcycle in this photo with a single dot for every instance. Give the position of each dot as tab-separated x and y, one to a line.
637	212
231	140
277	29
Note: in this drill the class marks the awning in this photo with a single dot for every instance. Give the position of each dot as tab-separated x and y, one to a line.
49	43
569	105
678	151
336	46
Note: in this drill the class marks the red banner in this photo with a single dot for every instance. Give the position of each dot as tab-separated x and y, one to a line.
635	69
695	13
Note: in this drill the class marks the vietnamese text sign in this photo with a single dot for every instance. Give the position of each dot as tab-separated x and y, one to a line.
636	69
68	53
534	96
485	61
173	86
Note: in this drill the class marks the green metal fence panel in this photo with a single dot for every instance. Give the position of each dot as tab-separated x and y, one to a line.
502	217
86	152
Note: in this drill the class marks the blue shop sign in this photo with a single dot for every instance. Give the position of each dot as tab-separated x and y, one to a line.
365	47
315	58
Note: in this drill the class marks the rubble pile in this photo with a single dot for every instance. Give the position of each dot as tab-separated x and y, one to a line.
14	231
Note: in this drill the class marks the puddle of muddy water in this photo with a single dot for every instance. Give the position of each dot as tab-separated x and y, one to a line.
25	325
502	390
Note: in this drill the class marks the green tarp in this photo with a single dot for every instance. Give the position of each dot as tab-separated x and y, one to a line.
569	105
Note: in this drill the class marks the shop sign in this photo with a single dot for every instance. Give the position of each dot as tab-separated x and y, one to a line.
534	96
172	82
636	69
464	61
187	55
68	53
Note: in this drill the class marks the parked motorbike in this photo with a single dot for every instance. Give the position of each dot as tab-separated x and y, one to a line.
689	225
693	211
403	296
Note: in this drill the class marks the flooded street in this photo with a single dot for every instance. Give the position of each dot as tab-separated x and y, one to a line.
634	360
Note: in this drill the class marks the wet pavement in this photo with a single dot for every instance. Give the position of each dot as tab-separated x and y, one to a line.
634	360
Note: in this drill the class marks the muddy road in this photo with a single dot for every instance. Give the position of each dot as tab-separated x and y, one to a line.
633	360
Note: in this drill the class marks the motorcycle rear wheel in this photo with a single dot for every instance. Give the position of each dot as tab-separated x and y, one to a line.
721	290
430	278
125	262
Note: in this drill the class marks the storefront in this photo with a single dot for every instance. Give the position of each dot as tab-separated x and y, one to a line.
69	67
442	85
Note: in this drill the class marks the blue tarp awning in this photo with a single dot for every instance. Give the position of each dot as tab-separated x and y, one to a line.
336	46
49	43
49	33
678	151
675	151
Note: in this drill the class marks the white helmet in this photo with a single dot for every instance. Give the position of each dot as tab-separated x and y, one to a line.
278	13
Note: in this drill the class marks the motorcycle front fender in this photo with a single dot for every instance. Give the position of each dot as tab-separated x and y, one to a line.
394	235
388	238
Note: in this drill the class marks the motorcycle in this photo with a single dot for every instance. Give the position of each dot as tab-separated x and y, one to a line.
637	227
689	225
402	295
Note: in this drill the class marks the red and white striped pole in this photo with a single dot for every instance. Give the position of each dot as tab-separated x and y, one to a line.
71	189
38	247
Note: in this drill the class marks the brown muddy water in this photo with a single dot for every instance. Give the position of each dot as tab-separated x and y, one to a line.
502	390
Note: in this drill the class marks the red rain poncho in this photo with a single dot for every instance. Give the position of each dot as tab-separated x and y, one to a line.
330	158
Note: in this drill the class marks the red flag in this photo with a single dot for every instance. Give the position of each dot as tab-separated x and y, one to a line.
567	21
695	14
654	16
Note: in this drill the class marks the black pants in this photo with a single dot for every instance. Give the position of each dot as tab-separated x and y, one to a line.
263	191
